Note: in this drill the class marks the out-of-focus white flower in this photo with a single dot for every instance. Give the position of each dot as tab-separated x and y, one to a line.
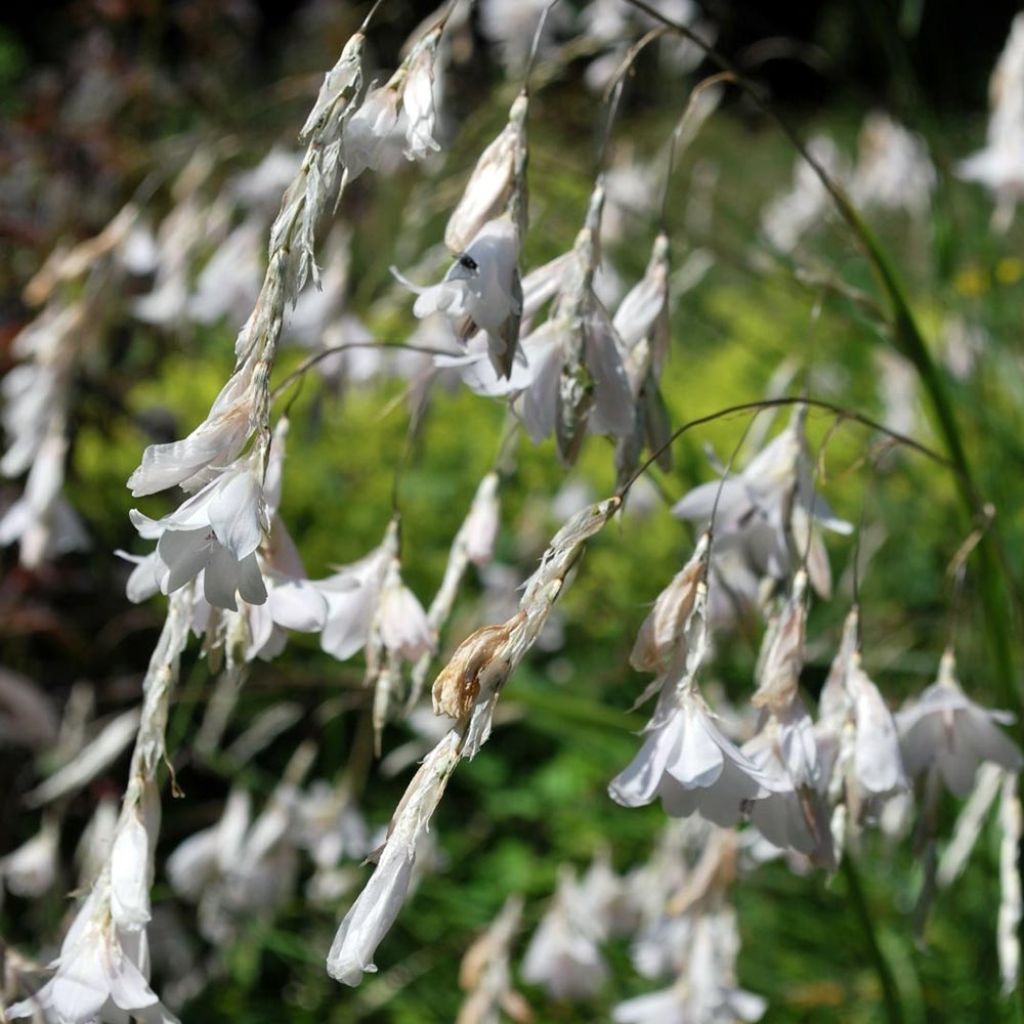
486	976
93	848
483	521
510	27
1011	903
404	628
27	718
787	219
353	594
30	870
88	762
261	187
894	171
331	826
707	992
945	729
482	291
230	282
1000	165
197	862
564	954
41	520
215	532
611	23
101	974
768	508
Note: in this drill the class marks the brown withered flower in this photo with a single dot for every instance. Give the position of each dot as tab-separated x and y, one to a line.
480	662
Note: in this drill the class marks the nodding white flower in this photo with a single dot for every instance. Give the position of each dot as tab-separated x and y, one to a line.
229	284
857	734
794	816
893	169
216	532
101	974
375	909
770	511
131	860
197	863
564	953
481	525
406	101
707	992
788	218
482	291
1000	165
193	461
370	130
403	624
877	762
643	325
579	383
946	730
31	869
689	763
493	181
353	595
419	97
785	745
41	520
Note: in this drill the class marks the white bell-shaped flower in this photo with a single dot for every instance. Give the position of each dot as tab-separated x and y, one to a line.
944	728
216	532
482	291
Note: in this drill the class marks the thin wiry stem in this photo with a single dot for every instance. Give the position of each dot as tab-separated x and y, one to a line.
772	403
310	361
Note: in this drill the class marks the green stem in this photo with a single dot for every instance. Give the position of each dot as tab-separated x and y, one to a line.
890	994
